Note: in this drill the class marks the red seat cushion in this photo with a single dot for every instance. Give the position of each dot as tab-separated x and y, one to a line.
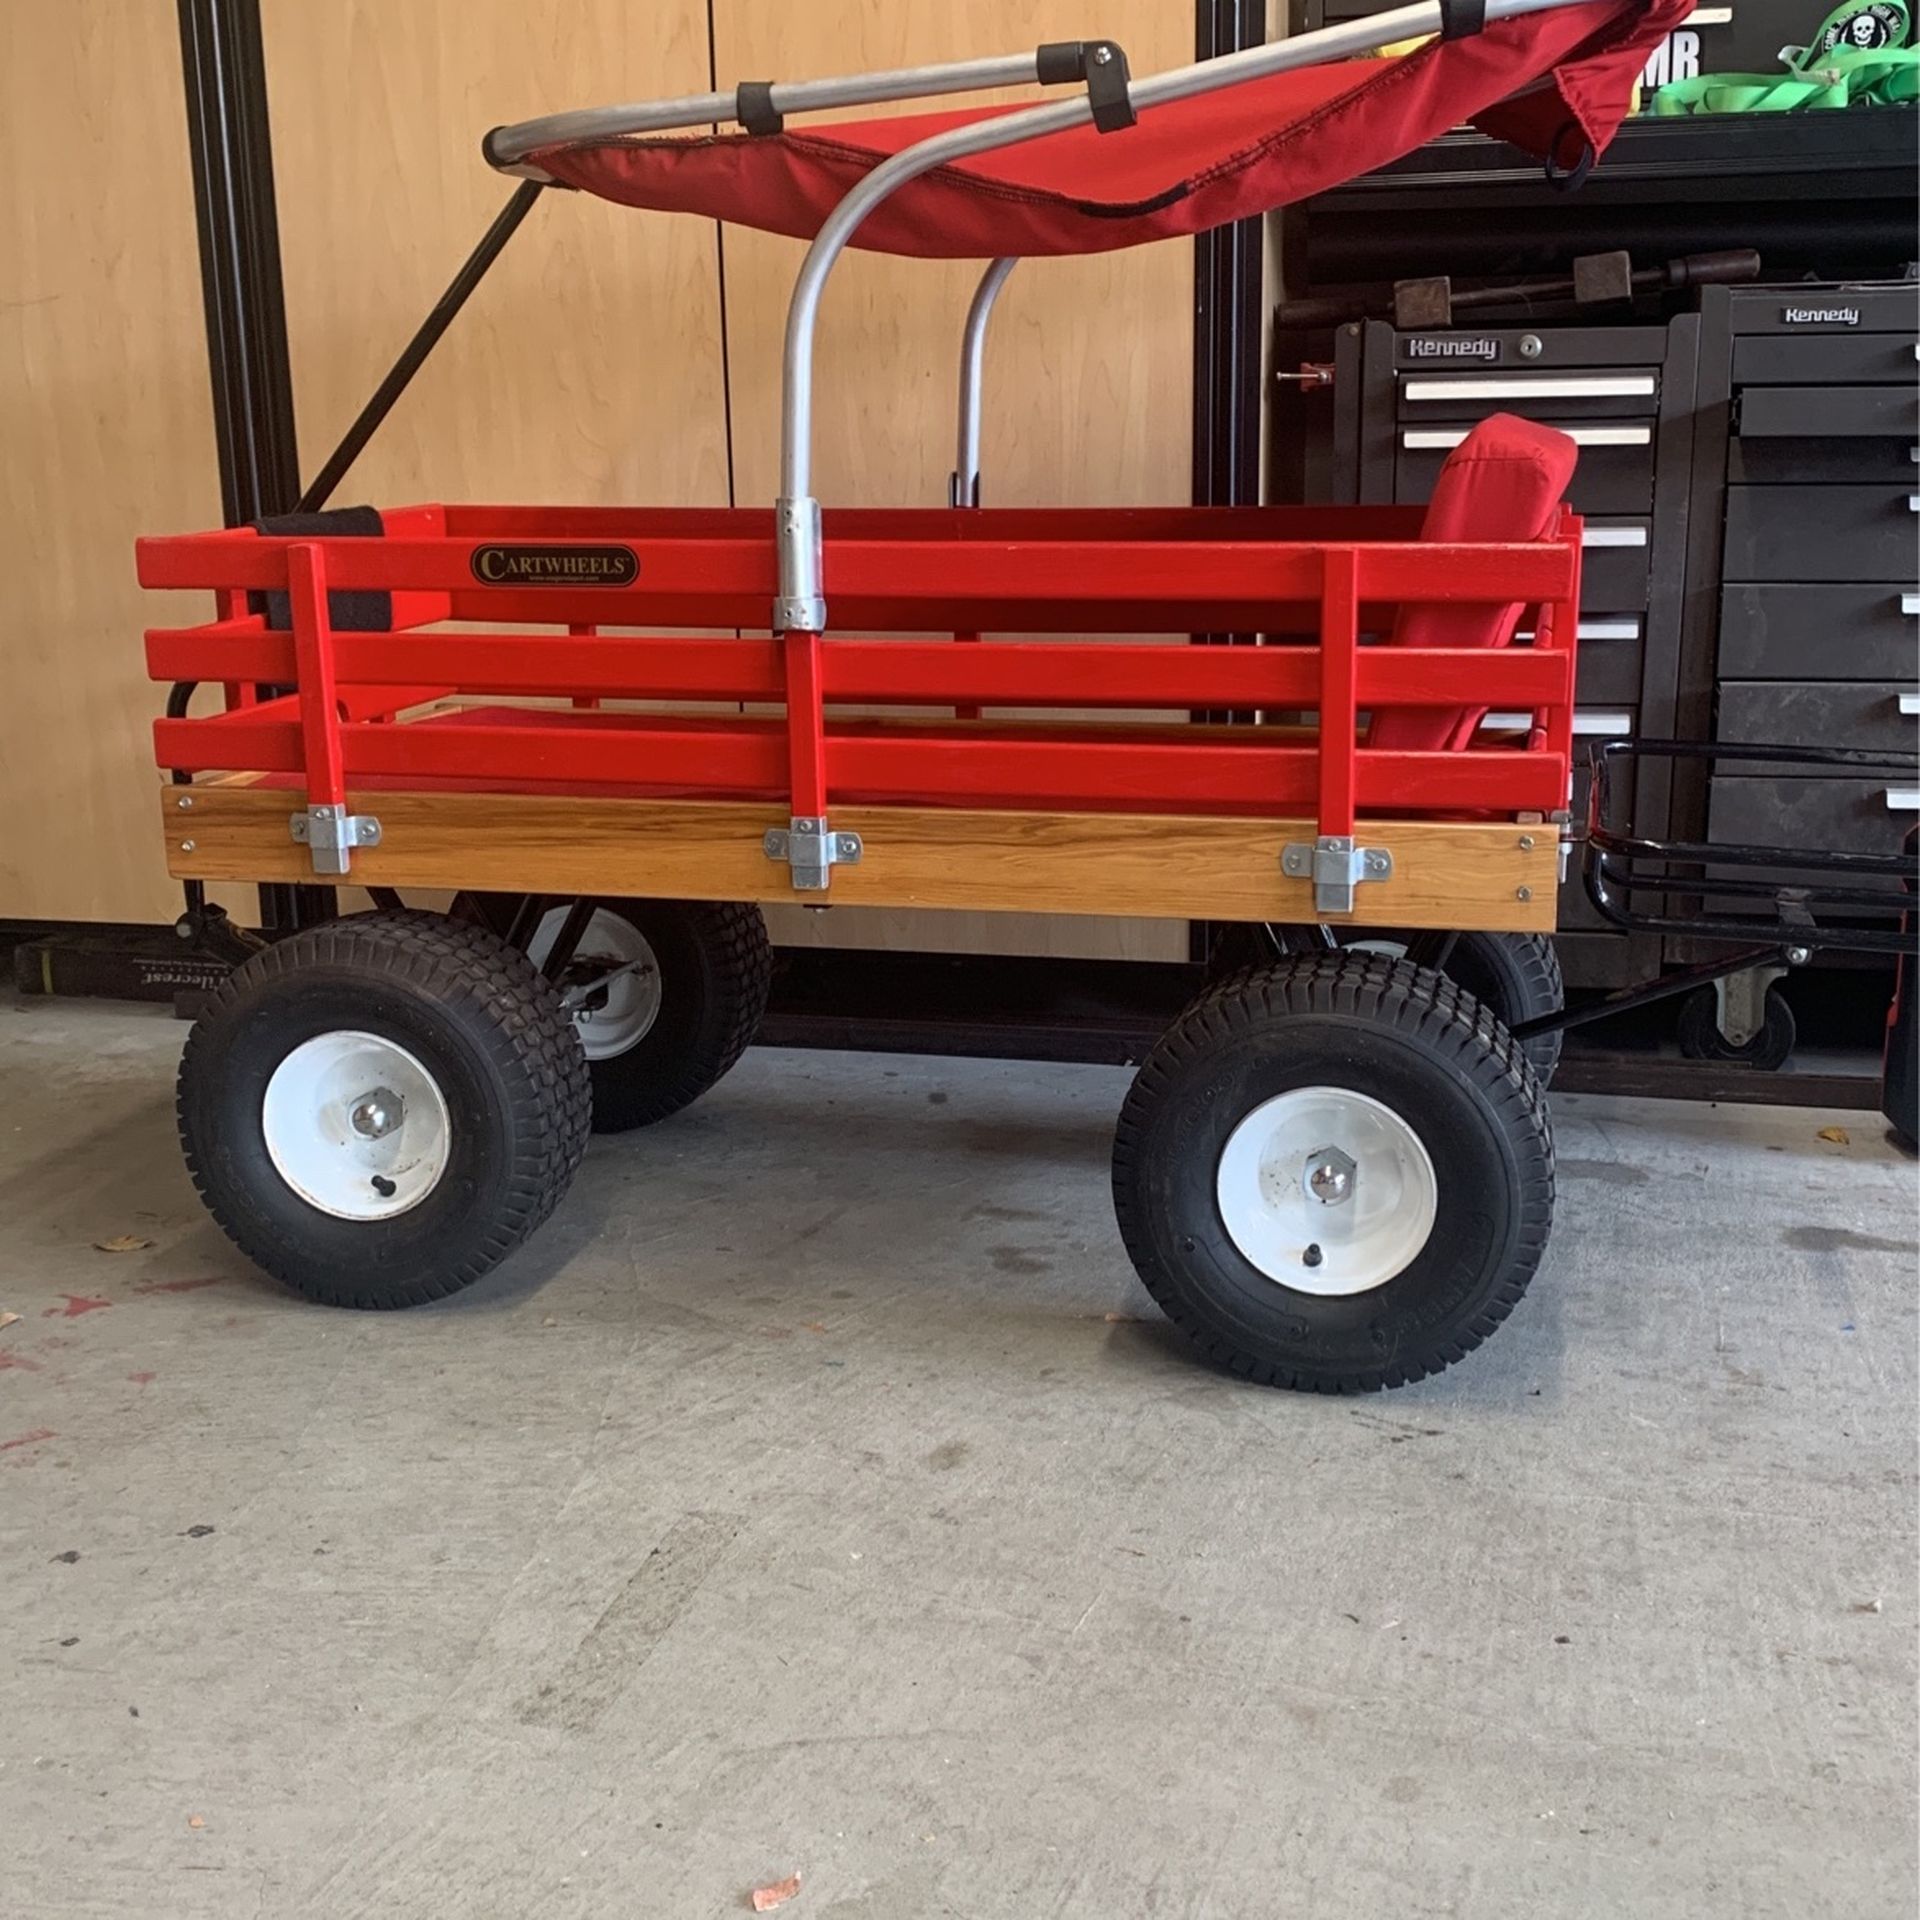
1504	481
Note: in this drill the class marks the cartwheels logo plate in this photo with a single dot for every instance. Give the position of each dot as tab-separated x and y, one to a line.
518	566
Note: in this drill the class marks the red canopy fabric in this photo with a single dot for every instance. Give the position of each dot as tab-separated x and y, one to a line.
1548	82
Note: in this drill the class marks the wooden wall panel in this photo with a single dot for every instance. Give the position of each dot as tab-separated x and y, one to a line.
1089	361
105	432
587	366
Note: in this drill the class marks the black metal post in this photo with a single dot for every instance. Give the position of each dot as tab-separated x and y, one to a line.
226	89
1226	339
224	71
506	223
1226	310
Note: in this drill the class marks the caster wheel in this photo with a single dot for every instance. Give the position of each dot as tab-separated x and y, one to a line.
379	1110
667	995
1335	1173
1766	1050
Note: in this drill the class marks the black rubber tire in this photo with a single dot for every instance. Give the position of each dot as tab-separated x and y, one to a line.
473	1011
1515	975
1405	1036
1766	1051
716	966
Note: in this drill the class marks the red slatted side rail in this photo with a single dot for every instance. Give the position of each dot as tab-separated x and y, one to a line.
924	585
1059	571
1144	770
1088	673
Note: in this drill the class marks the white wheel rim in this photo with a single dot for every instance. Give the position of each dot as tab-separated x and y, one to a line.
356	1126
1326	1191
616	948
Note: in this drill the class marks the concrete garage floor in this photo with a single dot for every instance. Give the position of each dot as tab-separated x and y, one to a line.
797	1503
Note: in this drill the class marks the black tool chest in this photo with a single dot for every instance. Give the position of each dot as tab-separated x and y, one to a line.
1803	612
1776	596
1750	476
1626	396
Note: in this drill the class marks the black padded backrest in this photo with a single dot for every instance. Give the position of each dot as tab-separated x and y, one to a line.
357	610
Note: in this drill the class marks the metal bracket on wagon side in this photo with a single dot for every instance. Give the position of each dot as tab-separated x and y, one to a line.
812	849
800	606
330	833
1336	864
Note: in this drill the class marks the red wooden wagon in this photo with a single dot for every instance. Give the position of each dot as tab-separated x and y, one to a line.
1336	1170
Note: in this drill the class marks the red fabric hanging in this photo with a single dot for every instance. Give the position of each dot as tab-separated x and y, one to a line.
1552	83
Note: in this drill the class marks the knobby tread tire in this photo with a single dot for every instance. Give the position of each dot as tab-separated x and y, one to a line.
1428	1011
1535	986
719	953
482	989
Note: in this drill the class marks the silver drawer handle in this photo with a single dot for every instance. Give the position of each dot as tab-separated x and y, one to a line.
1418	439
1624	537
1910	603
1903	799
1545	386
1626	627
1910	703
1913	503
1586	720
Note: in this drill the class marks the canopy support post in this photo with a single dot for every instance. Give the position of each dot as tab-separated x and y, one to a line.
400	375
963	490
799	596
796	512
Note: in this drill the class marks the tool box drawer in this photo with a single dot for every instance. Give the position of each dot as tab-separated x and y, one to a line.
1559	353
1828	413
1875	716
1614	474
1599	393
1615	558
1814	816
1764	462
1820	533
1818	633
1612	649
1817	359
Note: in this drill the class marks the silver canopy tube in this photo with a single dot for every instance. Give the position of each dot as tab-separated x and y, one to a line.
964	489
507	147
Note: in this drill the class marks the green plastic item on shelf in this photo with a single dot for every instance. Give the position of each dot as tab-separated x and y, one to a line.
1860	56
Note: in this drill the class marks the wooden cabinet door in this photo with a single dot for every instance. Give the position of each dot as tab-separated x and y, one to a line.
106	425
586	369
